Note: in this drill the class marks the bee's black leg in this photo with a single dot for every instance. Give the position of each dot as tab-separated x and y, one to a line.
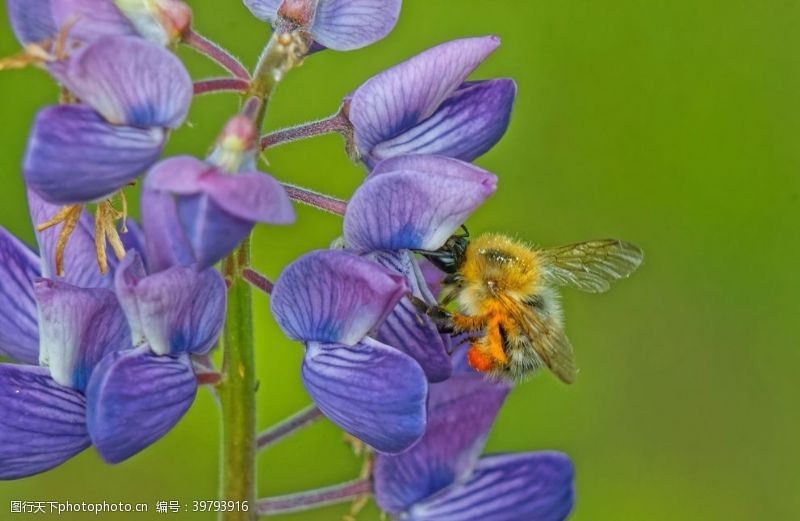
441	318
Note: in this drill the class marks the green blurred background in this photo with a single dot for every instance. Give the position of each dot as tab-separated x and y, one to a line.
670	124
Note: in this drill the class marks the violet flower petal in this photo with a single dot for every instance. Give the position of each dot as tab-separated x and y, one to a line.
407	330
179	310
334	296
93	19
264	10
165	239
77	328
31	20
129	81
74	156
212	212
469	123
535	486
415	209
461	412
371	390
410	92
345	25
42	425
134	398
19	323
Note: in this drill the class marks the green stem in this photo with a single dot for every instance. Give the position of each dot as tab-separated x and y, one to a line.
237	390
237	393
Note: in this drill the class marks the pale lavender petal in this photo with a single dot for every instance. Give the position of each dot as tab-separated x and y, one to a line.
407	330
93	19
334	296
80	258
415	209
403	96
19	329
461	412
370	390
130	81
31	20
77	328
344	25
74	156
465	126
265	10
42	424
178	175
536	486
251	196
175	311
134	398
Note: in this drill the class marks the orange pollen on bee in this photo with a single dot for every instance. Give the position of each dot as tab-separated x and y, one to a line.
480	360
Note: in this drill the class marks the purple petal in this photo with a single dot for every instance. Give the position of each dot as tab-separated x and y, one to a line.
344	25
74	156
42	425
536	486
166	242
264	10
460	413
93	19
334	296
130	81
407	330
134	398
465	126
19	325
409	93
80	257
78	327
31	20
253	196
415	209
212	211
370	390
175	311
433	276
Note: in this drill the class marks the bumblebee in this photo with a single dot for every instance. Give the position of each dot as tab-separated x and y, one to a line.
508	305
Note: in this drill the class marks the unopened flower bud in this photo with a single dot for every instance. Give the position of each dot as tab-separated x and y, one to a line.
162	21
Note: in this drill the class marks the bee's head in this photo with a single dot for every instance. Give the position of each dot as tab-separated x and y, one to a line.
450	257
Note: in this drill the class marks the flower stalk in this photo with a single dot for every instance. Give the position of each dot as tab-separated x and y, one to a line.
316	200
214	85
315	498
289	426
237	392
336	123
207	48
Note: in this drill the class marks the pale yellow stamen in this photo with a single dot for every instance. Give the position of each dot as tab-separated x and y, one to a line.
105	230
69	216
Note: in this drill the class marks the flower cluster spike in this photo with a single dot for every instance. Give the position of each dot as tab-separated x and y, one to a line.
107	323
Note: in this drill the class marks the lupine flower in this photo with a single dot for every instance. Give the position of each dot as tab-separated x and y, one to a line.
425	105
37	21
332	301
132	92
341	25
95	386
414	203
160	21
84	21
443	477
194	213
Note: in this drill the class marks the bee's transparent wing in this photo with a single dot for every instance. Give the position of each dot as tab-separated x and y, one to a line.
548	339
590	266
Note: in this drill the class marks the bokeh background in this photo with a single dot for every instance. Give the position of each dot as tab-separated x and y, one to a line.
671	124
